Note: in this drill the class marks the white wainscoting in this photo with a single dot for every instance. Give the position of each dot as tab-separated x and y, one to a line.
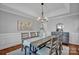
74	38
9	39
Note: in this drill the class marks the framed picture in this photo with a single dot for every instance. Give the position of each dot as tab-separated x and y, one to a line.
23	25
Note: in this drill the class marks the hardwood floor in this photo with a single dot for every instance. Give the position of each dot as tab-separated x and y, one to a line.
9	49
73	49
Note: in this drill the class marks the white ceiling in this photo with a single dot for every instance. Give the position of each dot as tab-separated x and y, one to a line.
33	10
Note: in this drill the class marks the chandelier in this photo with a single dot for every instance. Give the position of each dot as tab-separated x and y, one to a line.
42	18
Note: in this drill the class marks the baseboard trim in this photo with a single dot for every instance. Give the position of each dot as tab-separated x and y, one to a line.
9	49
74	44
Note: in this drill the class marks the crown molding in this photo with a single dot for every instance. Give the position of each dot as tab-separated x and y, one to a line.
14	11
65	15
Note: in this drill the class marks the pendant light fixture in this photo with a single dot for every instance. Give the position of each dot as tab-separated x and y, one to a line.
42	18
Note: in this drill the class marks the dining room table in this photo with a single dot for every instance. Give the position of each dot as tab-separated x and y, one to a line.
38	44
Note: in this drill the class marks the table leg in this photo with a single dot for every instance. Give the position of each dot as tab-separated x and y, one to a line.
25	49
30	50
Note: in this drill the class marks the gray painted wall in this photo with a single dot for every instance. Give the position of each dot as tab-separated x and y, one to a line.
9	35
8	22
71	25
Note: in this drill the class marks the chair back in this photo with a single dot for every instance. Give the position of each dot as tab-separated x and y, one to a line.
53	45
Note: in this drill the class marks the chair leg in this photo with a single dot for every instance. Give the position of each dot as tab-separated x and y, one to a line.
22	45
25	49
56	52
60	51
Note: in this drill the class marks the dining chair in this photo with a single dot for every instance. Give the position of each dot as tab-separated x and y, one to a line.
24	36
50	48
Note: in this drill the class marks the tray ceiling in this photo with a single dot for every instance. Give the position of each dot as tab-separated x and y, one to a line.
33	10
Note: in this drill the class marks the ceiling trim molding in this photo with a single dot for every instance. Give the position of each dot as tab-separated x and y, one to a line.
65	15
13	11
64	12
28	11
58	12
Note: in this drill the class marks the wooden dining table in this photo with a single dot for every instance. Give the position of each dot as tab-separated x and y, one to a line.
38	44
